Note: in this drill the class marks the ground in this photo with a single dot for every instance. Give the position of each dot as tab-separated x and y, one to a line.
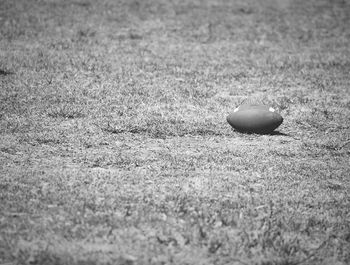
114	145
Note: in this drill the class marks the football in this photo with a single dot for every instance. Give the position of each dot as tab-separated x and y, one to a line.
260	119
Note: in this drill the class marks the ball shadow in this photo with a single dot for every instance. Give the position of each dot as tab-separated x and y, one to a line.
278	133
4	72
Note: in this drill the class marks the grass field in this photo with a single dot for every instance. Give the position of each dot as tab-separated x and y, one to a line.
114	145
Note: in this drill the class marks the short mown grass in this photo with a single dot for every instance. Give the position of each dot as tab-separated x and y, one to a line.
114	145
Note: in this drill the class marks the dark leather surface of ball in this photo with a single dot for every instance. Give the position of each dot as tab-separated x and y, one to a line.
255	119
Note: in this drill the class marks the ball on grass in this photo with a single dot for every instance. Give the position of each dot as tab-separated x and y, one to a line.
252	118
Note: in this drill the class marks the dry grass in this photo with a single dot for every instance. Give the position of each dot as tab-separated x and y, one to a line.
114	148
